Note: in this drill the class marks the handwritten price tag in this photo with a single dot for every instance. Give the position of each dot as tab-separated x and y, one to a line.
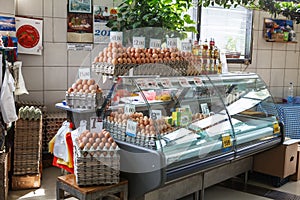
131	128
152	84
198	81
226	141
186	47
138	42
96	124
171	42
155	43
166	82
84	73
204	108
155	114
116	36
184	82
129	108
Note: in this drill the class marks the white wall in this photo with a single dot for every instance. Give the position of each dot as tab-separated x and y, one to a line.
48	76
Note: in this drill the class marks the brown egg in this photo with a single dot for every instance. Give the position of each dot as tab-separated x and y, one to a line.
98	140
89	134
81	145
91	140
107	145
103	139
95	145
120	60
85	140
88	145
101	145
94	135
107	135
114	145
110	140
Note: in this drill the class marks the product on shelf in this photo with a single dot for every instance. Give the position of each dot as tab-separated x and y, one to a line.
30	113
84	93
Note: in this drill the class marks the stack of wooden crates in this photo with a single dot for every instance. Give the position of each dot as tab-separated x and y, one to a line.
27	154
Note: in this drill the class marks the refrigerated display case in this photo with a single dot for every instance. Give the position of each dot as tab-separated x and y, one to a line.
169	127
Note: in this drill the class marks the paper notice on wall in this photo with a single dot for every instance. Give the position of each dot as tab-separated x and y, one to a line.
29	34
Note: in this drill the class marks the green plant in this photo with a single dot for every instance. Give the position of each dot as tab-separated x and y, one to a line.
168	14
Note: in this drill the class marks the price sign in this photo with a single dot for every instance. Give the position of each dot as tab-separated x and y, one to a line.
131	128
141	83
186	47
129	108
198	81
184	82
204	108
166	82
151	83
155	43
276	128
138	42
226	141
96	124
116	36
171	42
155	114
84	73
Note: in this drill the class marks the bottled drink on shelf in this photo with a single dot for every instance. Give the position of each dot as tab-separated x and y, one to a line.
290	97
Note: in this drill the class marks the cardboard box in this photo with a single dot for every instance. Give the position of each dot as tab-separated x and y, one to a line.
279	161
26	182
296	176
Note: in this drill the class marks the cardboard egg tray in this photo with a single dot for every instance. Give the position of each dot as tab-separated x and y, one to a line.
179	68
96	168
118	133
27	147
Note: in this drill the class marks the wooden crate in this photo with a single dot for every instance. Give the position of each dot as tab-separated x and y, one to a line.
26	181
3	176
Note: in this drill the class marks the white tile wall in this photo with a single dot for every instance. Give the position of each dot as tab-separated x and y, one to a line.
32	8
48	8
7	7
79	58
33	77
278	59
56	54
53	97
37	96
277	76
290	75
60	30
48	29
31	60
292	59
264	58
60	8
55	78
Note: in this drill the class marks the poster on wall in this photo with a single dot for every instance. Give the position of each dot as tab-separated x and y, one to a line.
29	34
7	25
80	28
102	14
80	6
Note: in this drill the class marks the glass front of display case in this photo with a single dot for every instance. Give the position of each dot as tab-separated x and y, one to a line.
193	117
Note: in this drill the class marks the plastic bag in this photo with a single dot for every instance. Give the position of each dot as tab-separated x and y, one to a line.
60	145
19	80
7	102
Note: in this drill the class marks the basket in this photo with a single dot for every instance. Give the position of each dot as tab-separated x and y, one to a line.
27	147
96	167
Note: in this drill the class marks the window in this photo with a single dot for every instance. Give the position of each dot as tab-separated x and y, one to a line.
231	30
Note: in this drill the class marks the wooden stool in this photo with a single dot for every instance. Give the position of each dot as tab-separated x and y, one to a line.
68	183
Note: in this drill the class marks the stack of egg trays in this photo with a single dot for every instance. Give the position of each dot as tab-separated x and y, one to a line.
118	132
96	167
27	147
51	124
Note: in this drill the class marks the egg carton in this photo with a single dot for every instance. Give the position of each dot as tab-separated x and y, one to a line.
118	132
96	169
84	101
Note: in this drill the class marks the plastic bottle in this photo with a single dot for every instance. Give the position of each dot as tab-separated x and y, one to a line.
290	97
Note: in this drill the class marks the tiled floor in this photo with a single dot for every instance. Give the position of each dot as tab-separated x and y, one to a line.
229	190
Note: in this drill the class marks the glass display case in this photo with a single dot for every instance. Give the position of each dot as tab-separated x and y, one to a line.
171	126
